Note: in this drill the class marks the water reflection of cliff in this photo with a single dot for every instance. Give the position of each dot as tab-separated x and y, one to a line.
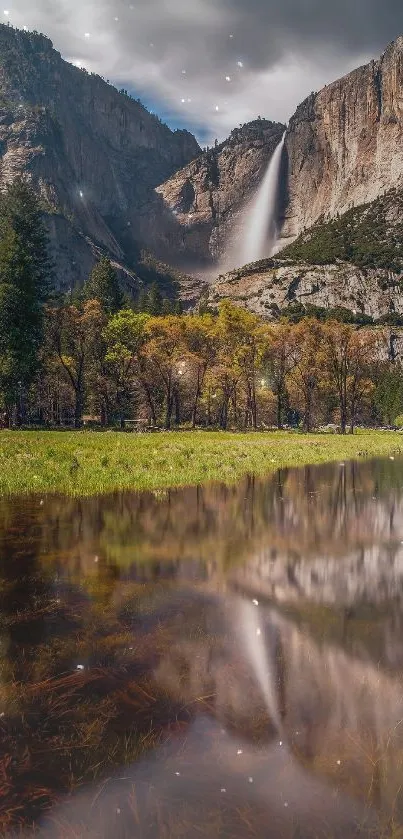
281	529
327	745
219	633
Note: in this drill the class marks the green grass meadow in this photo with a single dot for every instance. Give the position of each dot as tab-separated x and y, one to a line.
89	463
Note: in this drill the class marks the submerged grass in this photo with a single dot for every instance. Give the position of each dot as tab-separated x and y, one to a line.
90	463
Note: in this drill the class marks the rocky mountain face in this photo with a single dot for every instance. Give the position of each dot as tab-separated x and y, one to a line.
94	154
343	150
207	197
114	179
344	144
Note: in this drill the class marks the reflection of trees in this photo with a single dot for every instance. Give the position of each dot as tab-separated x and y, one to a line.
327	511
24	585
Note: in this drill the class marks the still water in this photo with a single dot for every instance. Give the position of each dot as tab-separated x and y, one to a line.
207	662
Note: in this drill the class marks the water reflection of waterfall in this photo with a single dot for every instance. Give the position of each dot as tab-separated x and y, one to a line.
261	223
260	654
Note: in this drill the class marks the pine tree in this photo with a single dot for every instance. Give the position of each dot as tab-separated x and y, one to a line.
142	300
154	300
24	286
103	285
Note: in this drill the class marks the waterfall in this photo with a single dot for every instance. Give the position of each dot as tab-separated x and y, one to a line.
261	231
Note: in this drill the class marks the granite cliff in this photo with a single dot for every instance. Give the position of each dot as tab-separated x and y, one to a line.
114	179
344	144
343	156
207	196
94	154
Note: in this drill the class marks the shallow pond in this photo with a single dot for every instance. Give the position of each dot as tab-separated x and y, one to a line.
217	661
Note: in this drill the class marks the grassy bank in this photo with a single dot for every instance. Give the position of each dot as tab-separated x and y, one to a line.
85	463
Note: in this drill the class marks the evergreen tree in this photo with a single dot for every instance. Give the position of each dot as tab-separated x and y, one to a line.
24	286
103	285
154	301
167	307
142	300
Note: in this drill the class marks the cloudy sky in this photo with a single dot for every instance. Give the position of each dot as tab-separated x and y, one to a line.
209	65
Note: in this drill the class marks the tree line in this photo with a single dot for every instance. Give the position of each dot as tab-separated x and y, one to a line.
97	357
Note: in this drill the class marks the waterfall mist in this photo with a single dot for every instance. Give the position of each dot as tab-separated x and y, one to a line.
261	232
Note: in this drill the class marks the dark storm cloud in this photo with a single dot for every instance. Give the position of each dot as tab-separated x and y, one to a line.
215	63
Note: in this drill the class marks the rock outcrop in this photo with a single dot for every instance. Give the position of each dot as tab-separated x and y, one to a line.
344	144
271	286
94	154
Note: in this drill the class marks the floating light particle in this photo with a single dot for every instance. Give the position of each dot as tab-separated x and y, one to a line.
177	773
342	464
391	458
338	762
217	108
25	28
285	803
118	810
116	19
255	602
240	63
280	743
239	752
228	78
57	601
2	715
258	632
87	35
151	45
223	789
189	100
80	667
41	503
183	101
81	194
231	36
96	558
6	12
183	72
250	780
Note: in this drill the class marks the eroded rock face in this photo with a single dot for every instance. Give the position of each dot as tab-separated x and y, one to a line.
344	144
343	148
207	196
268	288
94	154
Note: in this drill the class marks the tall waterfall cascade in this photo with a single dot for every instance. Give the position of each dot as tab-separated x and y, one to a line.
260	232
